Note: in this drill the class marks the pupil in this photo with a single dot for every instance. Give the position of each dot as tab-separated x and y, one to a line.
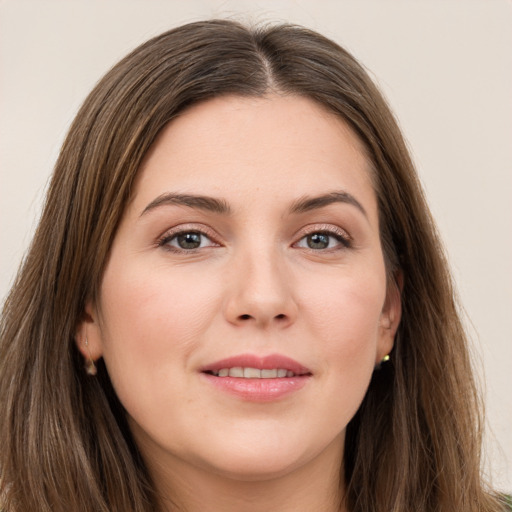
189	240
318	241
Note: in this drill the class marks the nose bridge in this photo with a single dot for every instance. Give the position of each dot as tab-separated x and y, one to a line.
260	291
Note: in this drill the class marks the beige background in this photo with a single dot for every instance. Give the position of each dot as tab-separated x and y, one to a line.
445	66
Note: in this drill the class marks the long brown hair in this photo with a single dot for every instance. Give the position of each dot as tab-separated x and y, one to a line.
64	444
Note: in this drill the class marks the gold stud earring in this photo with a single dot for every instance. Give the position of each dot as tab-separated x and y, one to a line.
381	363
90	366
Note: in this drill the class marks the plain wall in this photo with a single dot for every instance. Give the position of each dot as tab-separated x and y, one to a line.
446	68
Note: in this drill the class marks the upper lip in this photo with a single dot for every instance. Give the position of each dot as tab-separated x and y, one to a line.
269	362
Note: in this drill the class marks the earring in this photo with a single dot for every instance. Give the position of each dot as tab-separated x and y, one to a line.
383	361
90	367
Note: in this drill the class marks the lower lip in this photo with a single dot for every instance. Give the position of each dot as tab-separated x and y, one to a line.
258	390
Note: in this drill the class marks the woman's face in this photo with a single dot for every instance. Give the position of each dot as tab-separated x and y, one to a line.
244	305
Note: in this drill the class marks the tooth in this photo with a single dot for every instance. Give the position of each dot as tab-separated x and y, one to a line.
252	373
236	372
281	373
268	374
224	372
290	373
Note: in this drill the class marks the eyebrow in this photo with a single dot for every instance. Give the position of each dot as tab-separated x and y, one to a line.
210	204
220	206
306	204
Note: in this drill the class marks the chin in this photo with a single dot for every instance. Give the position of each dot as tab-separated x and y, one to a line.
256	468
263	459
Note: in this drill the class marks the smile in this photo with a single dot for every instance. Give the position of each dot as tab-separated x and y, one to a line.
254	378
253	373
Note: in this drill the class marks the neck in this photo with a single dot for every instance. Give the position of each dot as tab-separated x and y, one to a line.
312	486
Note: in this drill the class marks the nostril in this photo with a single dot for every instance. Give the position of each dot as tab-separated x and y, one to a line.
246	317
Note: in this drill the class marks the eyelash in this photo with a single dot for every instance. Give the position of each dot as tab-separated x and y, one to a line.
165	240
340	235
329	231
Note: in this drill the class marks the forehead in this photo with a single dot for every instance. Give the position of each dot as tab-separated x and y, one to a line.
255	147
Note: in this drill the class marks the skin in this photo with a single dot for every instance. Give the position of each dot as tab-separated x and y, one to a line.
253	286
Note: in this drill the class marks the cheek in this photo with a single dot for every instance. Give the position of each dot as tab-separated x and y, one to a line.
152	321
345	318
342	318
155	306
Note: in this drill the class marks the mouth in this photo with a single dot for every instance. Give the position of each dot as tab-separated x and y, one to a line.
254	373
250	366
258	379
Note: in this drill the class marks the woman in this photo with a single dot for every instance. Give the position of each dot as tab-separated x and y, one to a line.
236	298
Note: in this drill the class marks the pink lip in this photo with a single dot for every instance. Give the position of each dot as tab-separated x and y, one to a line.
258	390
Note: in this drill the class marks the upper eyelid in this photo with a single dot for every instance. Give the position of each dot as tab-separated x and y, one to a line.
343	237
171	233
323	228
188	227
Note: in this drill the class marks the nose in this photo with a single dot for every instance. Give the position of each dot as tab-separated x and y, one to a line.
260	292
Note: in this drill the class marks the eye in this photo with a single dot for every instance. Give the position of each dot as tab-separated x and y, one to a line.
321	240
186	241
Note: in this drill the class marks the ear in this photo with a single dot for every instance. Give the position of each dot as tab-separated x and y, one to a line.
88	337
390	316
